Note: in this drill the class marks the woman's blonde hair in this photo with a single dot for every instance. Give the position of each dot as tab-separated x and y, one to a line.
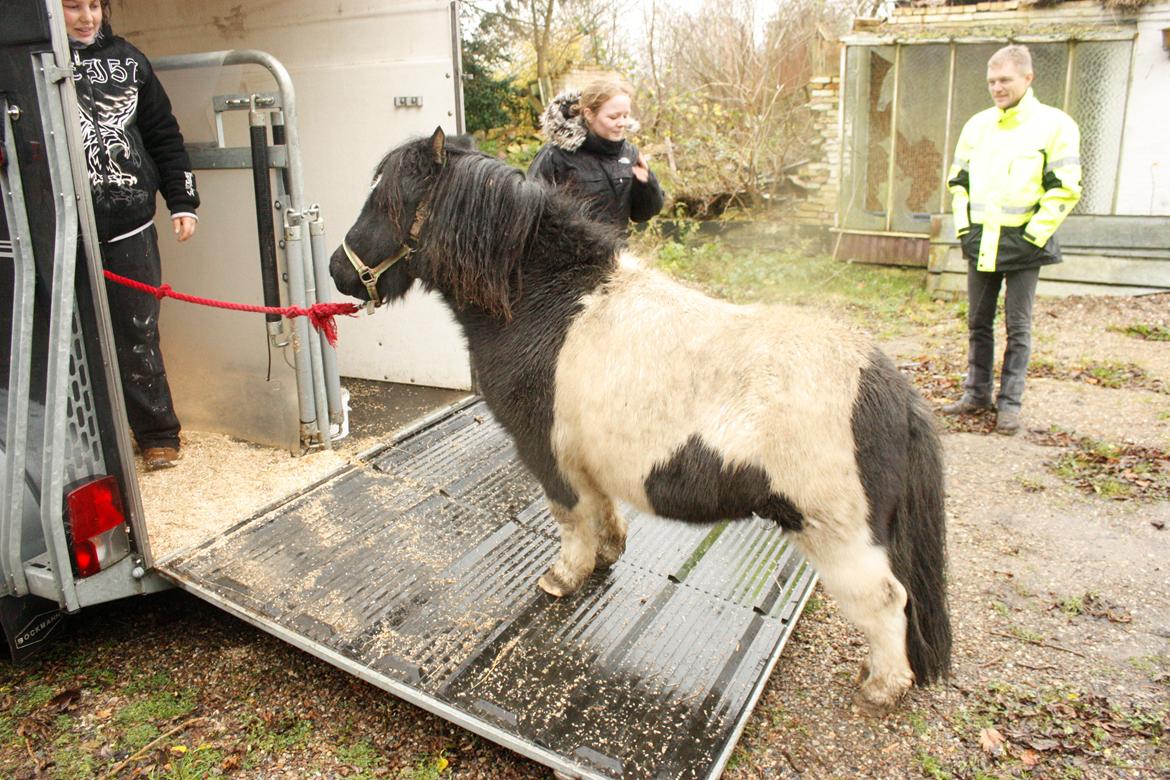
599	90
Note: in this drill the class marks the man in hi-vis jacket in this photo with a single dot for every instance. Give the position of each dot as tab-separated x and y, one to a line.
1016	176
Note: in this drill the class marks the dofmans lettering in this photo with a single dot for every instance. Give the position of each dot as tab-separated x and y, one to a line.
98	71
37	629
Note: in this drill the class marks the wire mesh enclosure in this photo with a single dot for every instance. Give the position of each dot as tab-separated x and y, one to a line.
904	104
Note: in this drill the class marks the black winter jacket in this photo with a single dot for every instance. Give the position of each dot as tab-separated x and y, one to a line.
133	147
597	170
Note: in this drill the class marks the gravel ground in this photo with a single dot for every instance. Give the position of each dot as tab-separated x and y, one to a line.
1060	604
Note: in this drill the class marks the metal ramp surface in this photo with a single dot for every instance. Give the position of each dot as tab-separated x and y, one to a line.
417	569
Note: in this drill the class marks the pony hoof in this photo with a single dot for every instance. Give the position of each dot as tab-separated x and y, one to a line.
870	708
878	696
554	585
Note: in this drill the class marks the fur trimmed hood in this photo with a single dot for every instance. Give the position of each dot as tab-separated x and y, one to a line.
565	130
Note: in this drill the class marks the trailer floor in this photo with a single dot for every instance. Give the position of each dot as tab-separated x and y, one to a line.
417	569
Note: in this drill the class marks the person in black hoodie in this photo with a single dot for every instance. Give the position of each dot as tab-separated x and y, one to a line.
588	154
133	150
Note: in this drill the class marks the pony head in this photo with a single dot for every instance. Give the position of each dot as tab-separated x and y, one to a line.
373	261
440	212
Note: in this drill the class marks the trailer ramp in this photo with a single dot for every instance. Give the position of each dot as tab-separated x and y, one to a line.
416	570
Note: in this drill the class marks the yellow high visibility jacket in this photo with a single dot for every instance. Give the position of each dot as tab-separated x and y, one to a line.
1016	175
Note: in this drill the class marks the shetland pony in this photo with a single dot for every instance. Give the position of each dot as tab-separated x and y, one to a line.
617	382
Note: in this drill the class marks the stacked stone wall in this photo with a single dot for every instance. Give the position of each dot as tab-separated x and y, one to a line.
820	178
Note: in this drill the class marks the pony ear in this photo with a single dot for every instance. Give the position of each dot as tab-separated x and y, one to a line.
439	145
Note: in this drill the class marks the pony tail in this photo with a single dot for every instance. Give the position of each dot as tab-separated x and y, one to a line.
917	548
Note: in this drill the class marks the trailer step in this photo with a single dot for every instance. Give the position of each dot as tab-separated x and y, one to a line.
416	570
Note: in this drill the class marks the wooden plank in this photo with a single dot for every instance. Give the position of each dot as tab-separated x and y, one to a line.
955	285
1089	231
1086	269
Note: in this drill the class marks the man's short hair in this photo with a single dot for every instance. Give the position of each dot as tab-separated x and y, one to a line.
1017	55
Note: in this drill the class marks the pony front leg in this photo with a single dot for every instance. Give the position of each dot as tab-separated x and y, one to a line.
579	548
612	536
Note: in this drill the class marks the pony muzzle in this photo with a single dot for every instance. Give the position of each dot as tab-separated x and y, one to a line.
369	276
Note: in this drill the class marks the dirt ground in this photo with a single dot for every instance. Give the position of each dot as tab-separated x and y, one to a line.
1059	588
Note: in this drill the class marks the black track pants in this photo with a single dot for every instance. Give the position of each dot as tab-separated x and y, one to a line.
134	316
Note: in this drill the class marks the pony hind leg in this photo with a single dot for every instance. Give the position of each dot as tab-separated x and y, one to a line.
857	574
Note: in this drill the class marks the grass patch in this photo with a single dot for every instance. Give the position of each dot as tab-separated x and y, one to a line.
142	718
203	762
273	736
70	760
362	756
1144	332
797	274
1114	471
1114	376
428	767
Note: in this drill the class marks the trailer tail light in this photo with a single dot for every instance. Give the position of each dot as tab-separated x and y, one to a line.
97	526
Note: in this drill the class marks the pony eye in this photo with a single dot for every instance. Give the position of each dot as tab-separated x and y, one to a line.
374	183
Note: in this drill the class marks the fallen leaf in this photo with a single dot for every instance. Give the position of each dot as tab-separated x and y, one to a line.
66	700
178	750
991	741
1030	758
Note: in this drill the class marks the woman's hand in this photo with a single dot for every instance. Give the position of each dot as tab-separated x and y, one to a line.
184	227
642	168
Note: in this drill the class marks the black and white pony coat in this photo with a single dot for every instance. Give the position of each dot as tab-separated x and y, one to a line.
618	383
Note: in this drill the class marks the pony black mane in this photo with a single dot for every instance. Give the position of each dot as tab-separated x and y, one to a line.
487	224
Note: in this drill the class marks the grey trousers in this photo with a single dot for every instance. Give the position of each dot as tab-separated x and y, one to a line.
982	295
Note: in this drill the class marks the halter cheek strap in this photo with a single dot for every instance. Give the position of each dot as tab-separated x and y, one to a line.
369	276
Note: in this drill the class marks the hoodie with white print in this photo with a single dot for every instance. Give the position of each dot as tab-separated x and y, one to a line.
133	145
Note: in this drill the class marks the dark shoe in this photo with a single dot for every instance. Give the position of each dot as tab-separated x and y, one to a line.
160	457
964	406
1007	422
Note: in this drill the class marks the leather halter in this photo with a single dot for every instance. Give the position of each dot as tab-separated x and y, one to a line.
369	276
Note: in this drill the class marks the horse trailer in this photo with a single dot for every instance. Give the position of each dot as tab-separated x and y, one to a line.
360	503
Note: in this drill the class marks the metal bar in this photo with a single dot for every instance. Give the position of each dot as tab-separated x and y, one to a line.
893	141
293	229
265	229
232	157
1124	125
947	150
457	65
131	496
883	233
60	324
20	366
1068	75
337	412
842	96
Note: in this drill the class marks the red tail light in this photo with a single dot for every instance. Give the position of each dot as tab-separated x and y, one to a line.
97	525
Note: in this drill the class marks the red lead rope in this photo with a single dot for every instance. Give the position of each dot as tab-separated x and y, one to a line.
320	314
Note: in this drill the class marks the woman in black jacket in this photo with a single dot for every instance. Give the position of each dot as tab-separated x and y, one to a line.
133	150
588	154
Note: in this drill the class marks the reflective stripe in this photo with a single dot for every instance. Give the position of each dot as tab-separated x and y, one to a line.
1062	162
1005	209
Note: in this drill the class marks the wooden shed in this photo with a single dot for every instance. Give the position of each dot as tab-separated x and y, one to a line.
911	82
